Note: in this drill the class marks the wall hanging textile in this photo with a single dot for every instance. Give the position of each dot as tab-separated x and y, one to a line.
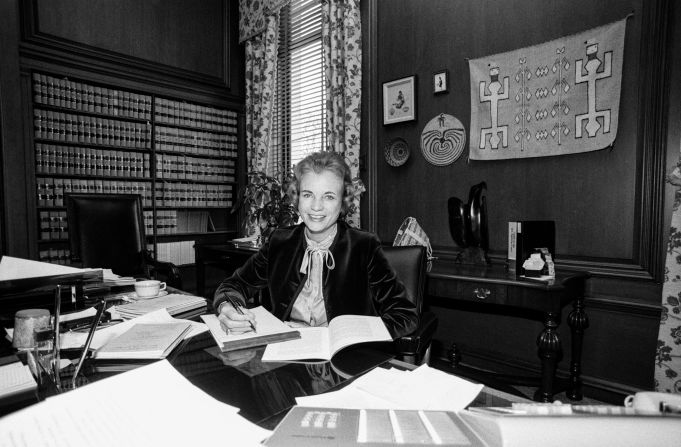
443	140
396	152
559	97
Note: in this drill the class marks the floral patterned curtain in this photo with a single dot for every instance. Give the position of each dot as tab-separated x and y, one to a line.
668	356
261	76
342	41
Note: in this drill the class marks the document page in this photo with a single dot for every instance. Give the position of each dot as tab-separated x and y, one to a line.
150	405
346	330
144	341
313	344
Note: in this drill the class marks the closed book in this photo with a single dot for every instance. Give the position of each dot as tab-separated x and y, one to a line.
583	430
145	341
269	329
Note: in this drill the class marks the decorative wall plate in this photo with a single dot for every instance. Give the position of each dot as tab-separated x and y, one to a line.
396	152
443	140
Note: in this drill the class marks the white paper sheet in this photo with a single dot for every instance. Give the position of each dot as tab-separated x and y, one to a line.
423	388
150	405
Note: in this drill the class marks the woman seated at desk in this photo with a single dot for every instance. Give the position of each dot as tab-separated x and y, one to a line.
320	268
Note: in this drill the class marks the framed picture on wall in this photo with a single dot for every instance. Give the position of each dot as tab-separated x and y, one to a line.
399	100
441	81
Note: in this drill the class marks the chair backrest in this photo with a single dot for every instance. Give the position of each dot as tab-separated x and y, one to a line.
107	230
409	263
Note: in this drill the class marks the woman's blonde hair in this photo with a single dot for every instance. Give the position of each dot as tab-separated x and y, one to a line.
319	162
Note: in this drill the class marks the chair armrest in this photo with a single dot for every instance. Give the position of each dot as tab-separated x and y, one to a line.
170	271
413	346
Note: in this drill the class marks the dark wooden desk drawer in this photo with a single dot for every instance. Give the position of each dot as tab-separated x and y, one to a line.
482	292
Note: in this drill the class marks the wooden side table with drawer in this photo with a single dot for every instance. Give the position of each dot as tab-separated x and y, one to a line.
493	285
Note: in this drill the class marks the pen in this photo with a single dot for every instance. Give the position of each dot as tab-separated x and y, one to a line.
237	307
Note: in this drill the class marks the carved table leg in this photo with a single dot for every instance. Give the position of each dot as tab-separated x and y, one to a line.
549	352
578	322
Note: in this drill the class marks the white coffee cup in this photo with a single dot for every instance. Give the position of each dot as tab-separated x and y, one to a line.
149	288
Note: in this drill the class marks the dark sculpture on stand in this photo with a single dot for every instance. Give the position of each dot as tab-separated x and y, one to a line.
468	225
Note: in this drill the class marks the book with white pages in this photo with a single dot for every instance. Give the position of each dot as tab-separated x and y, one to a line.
321	343
269	329
145	341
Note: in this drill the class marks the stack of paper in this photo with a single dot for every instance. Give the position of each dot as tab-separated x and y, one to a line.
174	303
15	378
150	405
423	388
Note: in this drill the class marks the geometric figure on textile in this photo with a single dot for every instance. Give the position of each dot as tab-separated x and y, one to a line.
396	152
554	98
443	140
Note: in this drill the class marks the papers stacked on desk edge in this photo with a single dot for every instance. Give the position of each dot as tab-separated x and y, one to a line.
150	405
15	378
174	303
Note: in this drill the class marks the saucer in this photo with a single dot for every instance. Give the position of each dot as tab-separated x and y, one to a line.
133	295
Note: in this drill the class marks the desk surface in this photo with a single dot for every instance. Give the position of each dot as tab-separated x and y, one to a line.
266	391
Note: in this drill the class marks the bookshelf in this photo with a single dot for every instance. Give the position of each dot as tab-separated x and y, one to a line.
180	157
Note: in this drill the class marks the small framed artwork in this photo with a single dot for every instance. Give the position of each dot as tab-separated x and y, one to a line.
441	81
399	100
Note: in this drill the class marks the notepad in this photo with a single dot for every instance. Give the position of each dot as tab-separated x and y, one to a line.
321	343
145	341
269	328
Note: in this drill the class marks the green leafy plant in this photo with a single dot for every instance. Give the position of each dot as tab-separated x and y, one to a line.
267	204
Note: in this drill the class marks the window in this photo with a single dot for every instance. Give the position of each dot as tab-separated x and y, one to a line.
300	114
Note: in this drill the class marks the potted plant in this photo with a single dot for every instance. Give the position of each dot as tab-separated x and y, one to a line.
267	204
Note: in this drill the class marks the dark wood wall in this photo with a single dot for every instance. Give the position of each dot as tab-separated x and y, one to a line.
183	50
609	205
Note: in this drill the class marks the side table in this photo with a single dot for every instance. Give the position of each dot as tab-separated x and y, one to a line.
493	285
228	257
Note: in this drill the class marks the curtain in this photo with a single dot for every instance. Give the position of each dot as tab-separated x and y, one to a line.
342	42
261	77
668	355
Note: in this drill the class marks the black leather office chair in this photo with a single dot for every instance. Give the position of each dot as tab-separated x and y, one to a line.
409	263
107	230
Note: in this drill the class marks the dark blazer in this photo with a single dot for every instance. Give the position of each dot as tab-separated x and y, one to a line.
362	282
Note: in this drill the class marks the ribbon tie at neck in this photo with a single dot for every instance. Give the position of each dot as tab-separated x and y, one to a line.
317	254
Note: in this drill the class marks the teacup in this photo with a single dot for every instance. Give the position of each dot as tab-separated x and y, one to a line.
149	288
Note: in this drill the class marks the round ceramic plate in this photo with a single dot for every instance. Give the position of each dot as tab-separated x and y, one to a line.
443	140
396	152
133	295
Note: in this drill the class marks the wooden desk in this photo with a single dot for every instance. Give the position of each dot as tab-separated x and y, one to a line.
225	256
496	287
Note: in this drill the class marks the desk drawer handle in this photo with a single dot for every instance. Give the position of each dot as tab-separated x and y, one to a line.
481	293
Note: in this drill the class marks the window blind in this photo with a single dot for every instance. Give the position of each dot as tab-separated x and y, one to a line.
300	111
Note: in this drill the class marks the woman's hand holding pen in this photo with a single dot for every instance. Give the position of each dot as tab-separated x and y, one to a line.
236	319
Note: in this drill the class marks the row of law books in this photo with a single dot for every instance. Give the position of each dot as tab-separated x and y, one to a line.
178	113
184	167
60	256
51	191
81	96
188	195
194	141
53	226
56	159
68	127
179	253
174	222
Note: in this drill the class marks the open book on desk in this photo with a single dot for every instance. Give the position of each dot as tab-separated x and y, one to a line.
145	341
321	343
269	329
